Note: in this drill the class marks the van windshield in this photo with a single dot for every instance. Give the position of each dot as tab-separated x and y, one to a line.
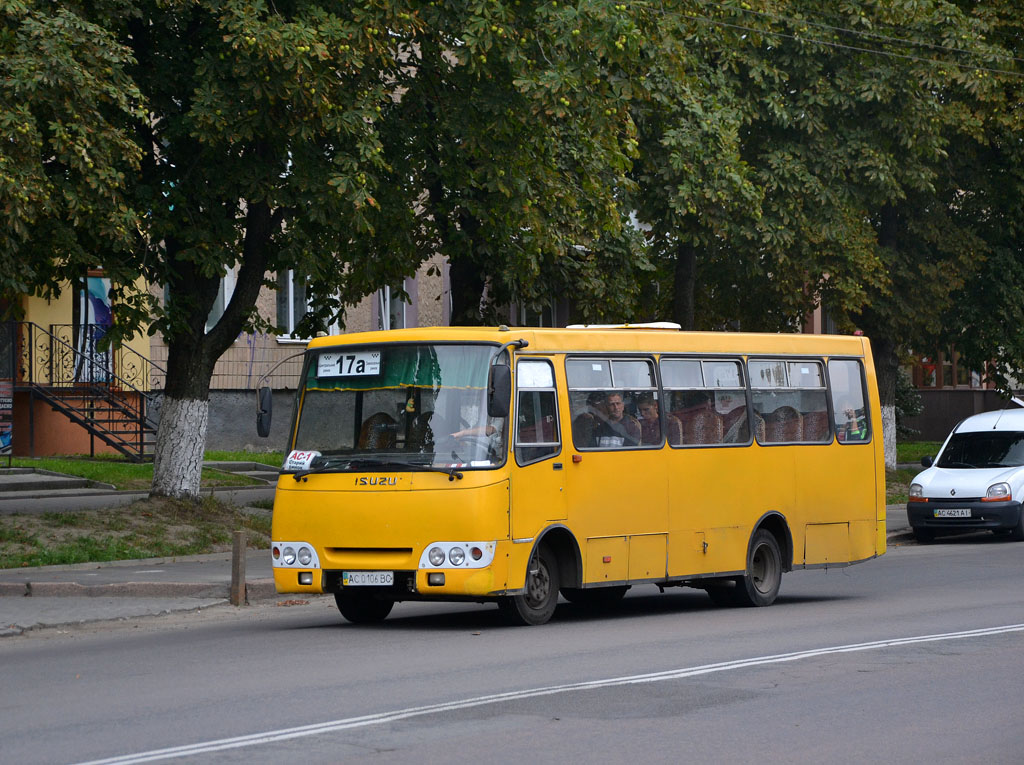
983	450
394	406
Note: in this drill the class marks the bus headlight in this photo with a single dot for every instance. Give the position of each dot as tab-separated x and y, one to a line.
305	556
436	556
457	556
288	555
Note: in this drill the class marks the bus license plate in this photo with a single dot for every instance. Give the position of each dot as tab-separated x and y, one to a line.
367	578
953	512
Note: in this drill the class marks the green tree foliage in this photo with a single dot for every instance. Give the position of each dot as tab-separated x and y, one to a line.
347	142
66	151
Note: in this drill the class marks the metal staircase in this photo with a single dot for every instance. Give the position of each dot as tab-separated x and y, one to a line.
108	392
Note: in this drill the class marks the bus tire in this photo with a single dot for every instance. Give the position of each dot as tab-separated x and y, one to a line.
760	585
363	607
595	597
536	604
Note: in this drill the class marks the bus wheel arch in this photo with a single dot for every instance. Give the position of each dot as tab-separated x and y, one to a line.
775	523
554	559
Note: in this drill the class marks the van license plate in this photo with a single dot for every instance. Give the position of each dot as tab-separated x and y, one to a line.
367	578
953	512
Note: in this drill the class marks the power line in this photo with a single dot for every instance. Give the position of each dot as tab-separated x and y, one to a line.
872	35
873	51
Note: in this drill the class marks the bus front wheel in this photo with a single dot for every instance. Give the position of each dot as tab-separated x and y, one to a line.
760	585
361	607
536	604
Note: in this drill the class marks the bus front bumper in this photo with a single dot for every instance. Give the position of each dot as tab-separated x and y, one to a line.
421	584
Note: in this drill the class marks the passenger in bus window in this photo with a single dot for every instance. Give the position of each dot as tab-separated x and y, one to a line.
585	424
650	430
855	428
620	429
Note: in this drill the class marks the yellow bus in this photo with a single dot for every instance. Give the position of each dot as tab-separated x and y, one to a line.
513	465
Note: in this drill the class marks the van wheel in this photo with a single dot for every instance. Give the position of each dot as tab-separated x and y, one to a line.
536	605
1017	533
363	607
595	597
760	585
923	536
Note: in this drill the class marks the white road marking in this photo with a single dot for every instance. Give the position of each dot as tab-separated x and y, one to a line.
333	726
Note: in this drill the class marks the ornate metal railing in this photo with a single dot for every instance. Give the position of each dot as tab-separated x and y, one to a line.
107	391
70	355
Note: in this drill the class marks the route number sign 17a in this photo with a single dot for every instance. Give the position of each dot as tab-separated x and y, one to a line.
357	364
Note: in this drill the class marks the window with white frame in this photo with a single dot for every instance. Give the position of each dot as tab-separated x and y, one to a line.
292	301
391	309
224	292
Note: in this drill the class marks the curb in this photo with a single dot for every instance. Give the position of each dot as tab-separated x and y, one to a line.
256	589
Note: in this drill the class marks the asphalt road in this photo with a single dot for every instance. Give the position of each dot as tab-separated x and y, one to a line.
913	657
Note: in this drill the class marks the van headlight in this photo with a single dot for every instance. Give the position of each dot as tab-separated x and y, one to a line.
916	493
998	492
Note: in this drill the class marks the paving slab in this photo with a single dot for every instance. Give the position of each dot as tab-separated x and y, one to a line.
19	615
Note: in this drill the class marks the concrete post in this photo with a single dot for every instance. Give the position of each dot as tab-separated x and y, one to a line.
238	569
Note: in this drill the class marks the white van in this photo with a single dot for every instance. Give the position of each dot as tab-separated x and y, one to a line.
976	482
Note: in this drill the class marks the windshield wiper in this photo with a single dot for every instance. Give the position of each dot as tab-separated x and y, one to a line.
452	473
324	464
958	465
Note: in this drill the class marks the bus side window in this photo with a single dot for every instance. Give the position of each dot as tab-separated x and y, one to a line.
849	412
537	436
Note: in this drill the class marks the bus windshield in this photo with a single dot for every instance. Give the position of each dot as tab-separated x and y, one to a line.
389	406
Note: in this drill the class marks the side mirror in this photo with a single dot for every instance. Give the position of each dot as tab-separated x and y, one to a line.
264	410
927	461
499	390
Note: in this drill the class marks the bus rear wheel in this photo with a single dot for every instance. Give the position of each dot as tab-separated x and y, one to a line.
536	604
760	585
360	607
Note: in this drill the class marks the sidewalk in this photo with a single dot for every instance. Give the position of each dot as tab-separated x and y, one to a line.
53	596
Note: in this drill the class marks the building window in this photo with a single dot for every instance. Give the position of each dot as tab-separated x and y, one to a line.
945	370
224	293
392	309
292	302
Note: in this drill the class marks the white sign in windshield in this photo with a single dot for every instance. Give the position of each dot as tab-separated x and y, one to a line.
299	460
358	364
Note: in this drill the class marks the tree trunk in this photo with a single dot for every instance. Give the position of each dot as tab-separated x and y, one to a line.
684	286
467	289
192	353
886	369
181	440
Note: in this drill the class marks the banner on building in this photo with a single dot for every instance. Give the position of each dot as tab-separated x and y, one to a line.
7	330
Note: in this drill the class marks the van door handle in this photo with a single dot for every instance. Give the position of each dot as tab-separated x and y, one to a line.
557	466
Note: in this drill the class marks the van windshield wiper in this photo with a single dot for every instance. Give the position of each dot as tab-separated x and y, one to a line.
452	473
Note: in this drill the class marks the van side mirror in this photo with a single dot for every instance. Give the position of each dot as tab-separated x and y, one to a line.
499	390
265	406
927	461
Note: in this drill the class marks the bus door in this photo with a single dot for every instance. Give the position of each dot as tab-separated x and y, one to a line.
538	480
617	482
